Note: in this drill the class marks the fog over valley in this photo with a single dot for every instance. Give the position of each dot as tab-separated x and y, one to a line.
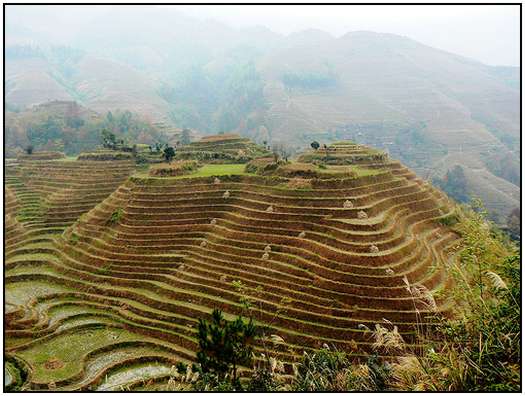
378	75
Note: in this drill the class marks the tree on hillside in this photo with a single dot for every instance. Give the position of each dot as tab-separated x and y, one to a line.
109	140
185	137
169	153
315	145
47	130
224	346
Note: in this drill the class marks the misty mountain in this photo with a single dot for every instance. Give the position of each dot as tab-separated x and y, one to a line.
430	108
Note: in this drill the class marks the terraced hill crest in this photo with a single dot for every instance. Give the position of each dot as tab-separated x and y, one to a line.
225	148
115	297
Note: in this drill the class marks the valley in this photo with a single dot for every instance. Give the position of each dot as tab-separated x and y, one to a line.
424	105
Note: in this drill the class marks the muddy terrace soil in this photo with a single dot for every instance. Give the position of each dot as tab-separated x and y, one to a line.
109	270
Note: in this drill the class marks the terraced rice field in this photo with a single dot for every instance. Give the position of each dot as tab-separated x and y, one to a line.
228	148
114	300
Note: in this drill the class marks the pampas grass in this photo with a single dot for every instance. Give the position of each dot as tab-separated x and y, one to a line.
495	279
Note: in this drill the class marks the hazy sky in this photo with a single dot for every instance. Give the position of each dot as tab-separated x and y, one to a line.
486	33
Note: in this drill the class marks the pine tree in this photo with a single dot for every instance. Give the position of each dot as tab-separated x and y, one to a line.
169	153
224	346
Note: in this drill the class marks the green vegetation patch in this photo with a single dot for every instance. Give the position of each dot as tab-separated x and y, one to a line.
449	220
15	374
20	293
116	216
68	351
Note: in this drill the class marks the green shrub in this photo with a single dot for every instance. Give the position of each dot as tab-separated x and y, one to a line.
223	347
263	380
116	216
73	239
488	341
19	372
210	382
329	370
317	371
479	349
449	220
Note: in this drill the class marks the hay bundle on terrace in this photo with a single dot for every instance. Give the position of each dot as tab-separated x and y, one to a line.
176	168
362	215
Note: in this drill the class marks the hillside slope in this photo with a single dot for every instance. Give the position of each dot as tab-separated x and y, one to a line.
130	278
99	84
386	78
418	103
69	127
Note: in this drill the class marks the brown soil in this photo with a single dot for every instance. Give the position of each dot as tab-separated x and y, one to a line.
298	182
54	364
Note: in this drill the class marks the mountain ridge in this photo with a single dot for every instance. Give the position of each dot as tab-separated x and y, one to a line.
375	88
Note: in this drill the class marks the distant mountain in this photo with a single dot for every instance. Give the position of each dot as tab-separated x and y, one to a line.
97	83
430	108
